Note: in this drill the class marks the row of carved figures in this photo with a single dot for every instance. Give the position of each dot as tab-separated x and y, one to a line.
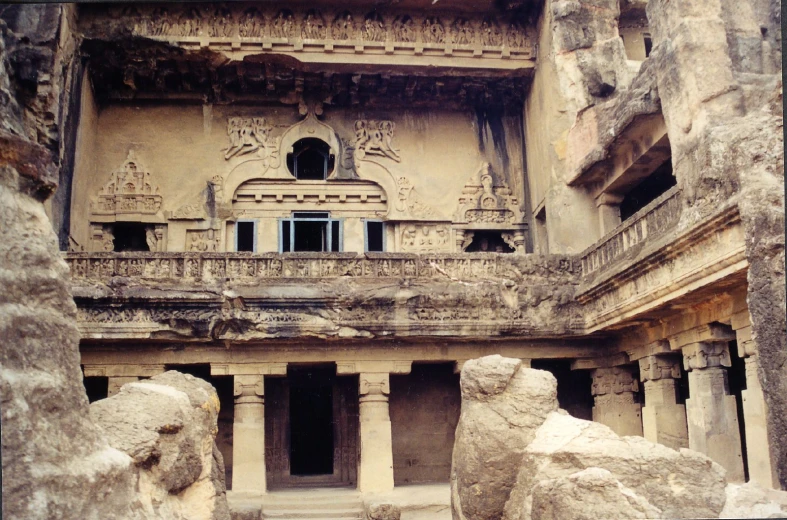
223	22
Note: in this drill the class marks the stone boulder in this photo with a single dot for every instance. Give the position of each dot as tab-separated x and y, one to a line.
382	511
590	494
751	500
167	425
503	404
681	484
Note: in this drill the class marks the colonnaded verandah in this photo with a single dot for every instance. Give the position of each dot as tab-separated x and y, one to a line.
325	208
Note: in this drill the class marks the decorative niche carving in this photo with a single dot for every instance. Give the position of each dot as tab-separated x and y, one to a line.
373	28
313	27
283	24
426	238
432	30
374	138
129	191
203	240
251	135
488	203
343	26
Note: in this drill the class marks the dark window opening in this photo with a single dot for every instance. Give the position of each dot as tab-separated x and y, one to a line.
375	236
244	236
310	231
573	387
130	236
311	420
488	242
651	188
648	44
311	159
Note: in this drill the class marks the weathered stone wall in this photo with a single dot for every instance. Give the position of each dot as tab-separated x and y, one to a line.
424	407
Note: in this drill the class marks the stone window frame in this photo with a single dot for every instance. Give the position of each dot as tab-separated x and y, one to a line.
366	235
329	221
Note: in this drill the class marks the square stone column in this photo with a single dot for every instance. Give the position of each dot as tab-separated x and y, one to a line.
248	434
711	412
663	419
755	409
614	399
608	212
375	471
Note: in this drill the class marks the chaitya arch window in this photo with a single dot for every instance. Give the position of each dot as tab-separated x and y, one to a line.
311	159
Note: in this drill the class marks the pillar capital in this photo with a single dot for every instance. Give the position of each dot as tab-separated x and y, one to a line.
708	333
374	384
249	386
655	367
614	380
705	354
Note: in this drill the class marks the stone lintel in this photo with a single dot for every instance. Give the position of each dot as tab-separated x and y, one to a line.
388	367
709	333
239	369
123	370
741	319
642	351
621	358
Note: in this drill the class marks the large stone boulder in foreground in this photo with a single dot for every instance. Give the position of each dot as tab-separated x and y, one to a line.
167	425
680	484
590	494
503	404
750	500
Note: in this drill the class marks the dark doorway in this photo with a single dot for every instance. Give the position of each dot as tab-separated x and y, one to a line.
488	242
653	186
130	236
311	421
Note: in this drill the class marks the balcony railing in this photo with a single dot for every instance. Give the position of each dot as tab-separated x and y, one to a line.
205	267
647	224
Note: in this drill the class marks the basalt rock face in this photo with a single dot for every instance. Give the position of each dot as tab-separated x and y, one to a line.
167	425
503	403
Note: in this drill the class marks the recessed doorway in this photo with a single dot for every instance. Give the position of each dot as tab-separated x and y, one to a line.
311	421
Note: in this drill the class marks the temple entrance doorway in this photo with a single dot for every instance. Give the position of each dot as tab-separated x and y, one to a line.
311	423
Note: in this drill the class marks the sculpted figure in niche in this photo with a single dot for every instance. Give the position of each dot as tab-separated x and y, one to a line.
403	29
221	25
515	38
463	31
344	26
373	28
189	24
433	31
160	22
250	25
375	138
313	26
246	135
490	33
283	25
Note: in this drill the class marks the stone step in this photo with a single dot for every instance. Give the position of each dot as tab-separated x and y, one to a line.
315	514
307	504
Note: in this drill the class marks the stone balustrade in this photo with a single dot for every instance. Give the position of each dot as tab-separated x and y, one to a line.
158	266
647	224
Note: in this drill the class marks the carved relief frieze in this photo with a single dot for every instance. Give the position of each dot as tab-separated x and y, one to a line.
408	201
251	135
399	32
129	190
374	138
488	202
417	238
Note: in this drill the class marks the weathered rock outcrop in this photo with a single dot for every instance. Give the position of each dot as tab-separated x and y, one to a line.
167	425
752	501
590	494
681	484
503	403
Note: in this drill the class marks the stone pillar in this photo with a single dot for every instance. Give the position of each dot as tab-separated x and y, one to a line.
615	401
248	434
115	382
711	412
755	410
663	419
608	212
375	473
